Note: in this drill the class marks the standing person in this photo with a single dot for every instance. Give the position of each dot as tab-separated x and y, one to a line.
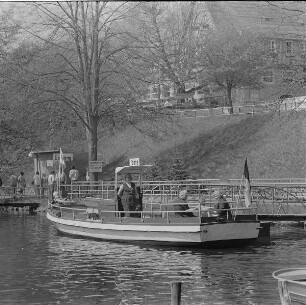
222	205
87	174
74	174
51	184
21	182
13	183
37	184
128	194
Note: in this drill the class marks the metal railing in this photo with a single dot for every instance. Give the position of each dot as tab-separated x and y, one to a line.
163	214
288	196
15	193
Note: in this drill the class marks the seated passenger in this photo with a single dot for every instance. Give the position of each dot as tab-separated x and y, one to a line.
222	205
182	207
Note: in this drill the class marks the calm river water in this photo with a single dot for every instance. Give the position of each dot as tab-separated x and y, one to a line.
38	265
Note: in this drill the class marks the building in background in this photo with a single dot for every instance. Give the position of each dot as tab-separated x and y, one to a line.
283	26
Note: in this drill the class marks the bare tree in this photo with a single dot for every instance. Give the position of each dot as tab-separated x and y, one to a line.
167	38
79	57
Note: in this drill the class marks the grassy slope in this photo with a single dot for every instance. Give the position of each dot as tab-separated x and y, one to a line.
210	147
216	147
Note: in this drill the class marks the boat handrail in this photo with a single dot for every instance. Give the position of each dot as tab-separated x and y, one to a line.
200	212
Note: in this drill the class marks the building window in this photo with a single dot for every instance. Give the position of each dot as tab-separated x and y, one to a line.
288	47
269	77
272	46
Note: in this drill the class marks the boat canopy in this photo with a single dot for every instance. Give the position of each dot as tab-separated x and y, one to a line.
131	169
135	169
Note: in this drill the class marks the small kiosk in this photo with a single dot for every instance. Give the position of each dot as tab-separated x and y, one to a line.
48	160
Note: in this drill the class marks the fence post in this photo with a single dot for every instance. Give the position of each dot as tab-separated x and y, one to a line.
176	288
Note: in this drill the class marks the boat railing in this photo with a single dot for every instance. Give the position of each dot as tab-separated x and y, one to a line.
164	214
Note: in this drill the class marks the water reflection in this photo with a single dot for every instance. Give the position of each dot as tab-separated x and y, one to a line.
45	267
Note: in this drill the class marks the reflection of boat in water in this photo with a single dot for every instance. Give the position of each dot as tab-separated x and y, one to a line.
103	220
291	285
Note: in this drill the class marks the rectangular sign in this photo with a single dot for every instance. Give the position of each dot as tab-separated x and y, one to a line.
95	166
134	162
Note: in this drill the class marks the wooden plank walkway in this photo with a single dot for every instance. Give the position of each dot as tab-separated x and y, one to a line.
31	203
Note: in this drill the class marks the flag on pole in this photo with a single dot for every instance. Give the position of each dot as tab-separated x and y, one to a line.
247	185
62	160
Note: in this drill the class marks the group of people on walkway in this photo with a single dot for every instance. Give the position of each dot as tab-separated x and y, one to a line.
17	183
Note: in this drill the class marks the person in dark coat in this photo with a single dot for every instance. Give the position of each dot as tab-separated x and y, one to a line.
222	205
128	195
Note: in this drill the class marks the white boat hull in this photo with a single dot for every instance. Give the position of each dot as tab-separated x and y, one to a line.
291	285
202	235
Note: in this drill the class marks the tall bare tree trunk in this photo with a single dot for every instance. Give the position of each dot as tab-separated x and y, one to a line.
92	141
229	89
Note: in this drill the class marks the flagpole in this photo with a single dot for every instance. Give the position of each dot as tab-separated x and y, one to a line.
59	171
247	185
239	194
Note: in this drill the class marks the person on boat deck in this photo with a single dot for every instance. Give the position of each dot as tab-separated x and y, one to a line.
180	208
128	194
222	205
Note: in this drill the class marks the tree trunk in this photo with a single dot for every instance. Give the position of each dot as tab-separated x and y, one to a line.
92	142
180	90
229	98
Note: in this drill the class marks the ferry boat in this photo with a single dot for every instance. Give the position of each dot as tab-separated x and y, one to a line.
102	219
291	285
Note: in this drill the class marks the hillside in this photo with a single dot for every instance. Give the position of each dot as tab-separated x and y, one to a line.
212	147
217	147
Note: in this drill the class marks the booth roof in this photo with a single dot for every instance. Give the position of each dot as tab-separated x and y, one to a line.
139	169
46	151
